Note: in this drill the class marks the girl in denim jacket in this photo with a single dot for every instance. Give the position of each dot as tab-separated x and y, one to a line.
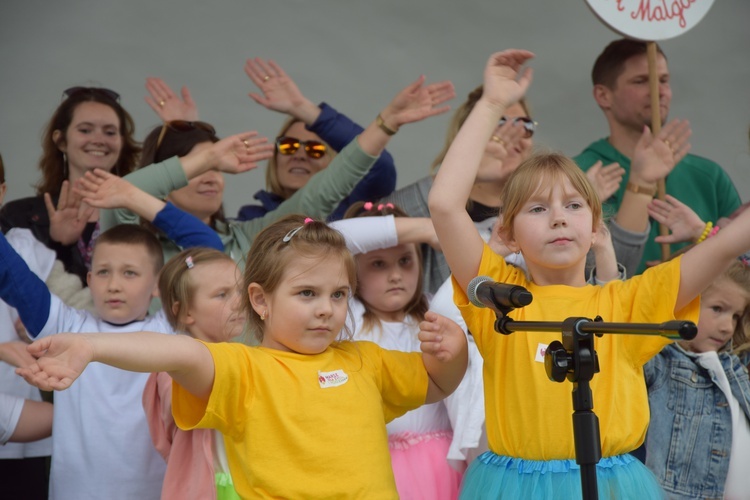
698	441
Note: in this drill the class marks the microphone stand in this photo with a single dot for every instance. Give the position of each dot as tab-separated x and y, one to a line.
575	359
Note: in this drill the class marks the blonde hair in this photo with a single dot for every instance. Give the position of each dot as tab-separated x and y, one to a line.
176	288
739	274
270	255
418	304
544	169
272	177
459	117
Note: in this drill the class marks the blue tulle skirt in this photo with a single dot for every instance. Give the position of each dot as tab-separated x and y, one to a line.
492	476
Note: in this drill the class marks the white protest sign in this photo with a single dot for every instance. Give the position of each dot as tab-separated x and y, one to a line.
650	19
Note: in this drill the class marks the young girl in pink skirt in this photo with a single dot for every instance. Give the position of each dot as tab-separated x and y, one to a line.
387	308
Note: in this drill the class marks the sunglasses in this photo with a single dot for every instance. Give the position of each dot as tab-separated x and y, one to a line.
289	145
111	94
183	126
528	124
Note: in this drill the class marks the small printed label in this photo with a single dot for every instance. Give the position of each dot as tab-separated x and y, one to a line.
332	379
541	349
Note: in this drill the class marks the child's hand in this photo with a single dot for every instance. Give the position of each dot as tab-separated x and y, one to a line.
504	82
102	189
441	337
167	105
604	254
605	179
69	218
15	354
683	223
417	102
61	359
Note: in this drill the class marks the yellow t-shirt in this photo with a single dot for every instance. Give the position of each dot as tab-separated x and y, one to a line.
527	415
307	426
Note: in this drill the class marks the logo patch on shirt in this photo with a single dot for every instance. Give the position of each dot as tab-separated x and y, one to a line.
332	379
541	349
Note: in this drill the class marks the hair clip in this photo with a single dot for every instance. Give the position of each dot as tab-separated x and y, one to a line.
744	259
367	205
387	205
189	262
294	231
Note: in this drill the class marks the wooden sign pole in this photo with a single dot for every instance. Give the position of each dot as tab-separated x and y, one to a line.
653	81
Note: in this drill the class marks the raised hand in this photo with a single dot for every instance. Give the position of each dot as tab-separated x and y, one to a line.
102	189
61	359
505	138
280	93
683	223
68	220
441	337
505	83
655	157
418	101
167	105
606	180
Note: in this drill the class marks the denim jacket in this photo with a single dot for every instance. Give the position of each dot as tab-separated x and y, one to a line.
690	435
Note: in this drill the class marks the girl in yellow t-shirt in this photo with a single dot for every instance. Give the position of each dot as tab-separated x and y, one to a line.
551	214
303	414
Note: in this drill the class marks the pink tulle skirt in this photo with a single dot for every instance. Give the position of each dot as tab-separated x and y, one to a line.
421	468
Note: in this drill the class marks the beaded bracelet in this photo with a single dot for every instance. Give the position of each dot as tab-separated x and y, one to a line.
713	231
706	231
385	128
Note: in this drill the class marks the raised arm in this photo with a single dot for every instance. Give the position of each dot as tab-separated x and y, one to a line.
653	159
102	189
280	93
701	264
234	154
444	353
167	105
504	84
63	357
23	289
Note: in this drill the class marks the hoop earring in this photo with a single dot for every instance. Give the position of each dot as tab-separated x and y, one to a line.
65	166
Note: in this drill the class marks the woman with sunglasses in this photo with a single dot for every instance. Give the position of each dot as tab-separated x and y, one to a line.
307	142
509	145
199	191
88	130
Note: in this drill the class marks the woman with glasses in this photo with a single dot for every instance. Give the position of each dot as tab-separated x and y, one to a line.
88	130
307	142
509	145
200	191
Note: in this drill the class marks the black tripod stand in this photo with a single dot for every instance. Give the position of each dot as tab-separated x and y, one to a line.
575	359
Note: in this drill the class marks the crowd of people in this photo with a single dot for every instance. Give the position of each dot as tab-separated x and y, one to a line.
326	341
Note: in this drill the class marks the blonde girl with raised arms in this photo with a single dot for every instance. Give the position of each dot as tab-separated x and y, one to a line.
387	307
304	414
550	215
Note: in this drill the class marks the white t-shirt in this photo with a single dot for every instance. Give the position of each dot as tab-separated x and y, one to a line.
102	445
402	336
40	260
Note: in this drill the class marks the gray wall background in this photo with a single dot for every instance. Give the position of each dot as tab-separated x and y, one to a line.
355	55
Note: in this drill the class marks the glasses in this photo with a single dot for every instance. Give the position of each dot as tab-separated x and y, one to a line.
289	145
528	124
111	94
183	126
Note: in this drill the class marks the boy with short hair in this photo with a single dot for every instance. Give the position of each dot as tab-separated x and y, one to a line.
102	447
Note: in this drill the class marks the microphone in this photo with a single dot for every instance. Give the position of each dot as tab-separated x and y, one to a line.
500	297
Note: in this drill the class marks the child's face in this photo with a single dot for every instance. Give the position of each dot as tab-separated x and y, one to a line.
213	314
553	229
722	306
122	282
308	309
388	280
